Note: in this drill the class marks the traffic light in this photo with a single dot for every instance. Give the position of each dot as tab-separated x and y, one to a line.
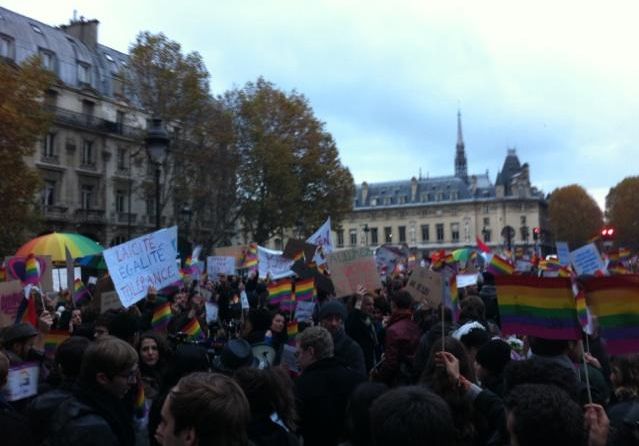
536	233
607	233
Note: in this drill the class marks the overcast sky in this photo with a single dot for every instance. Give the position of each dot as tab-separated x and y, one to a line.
557	80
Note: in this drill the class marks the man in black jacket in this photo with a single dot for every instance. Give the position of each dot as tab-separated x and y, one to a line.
332	316
359	326
323	388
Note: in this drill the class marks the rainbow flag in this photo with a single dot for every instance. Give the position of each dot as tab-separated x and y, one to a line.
549	265
31	270
305	290
499	266
279	291
292	330
80	293
618	270
250	256
140	399
193	329
536	306
161	317
27	311
288	305
52	340
565	271
615	302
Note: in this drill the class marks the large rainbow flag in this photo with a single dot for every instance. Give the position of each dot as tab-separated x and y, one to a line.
536	306
193	329
615	302
499	266
279	291
305	290
161	317
250	256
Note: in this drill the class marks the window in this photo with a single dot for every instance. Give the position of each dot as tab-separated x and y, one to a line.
374	239
88	107
439	228
340	237
486	221
454	231
402	234
51	98
87	153
487	235
84	73
48	147
108	57
86	196
120	200
118	86
388	234
121	160
6	47
353	237
48	193
431	197
48	59
522	219
150	206
486	209
119	120
425	233
373	201
35	28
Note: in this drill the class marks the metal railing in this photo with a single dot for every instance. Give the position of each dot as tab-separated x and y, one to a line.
86	121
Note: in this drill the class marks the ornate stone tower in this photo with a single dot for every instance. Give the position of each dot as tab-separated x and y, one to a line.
461	168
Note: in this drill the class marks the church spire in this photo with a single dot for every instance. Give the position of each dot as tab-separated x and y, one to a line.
461	170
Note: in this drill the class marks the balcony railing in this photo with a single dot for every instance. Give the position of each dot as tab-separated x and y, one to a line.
89	215
55	212
126	217
85	121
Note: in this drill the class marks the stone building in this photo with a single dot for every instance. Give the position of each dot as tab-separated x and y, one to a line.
448	212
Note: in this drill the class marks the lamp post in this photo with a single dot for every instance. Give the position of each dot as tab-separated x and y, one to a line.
157	143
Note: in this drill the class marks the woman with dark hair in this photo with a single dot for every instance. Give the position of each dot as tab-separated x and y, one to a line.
276	336
153	352
623	410
270	395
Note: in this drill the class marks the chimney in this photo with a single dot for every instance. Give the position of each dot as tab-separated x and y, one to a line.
86	31
364	193
413	188
473	184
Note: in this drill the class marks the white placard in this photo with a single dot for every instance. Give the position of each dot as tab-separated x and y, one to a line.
523	266
211	312
244	300
586	260
272	263
92	280
563	253
216	265
464	280
22	382
304	311
60	278
143	262
322	237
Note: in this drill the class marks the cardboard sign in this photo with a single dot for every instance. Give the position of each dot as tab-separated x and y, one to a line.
60	279
22	381
11	296
586	260
216	265
426	286
563	253
145	261
464	280
352	267
230	251
295	246
271	263
109	301
16	270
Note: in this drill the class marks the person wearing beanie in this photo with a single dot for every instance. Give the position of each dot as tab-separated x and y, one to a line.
490	361
332	316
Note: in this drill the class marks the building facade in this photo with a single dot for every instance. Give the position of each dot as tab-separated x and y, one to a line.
449	212
97	177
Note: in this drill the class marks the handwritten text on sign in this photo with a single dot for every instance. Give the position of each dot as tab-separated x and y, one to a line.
353	267
220	265
140	263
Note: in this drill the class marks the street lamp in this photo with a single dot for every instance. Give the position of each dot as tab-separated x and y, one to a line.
157	143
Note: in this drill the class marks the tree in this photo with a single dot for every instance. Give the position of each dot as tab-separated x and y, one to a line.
574	215
622	209
290	171
22	121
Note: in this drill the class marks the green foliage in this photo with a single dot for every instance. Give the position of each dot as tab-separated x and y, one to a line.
290	168
574	215
622	208
22	121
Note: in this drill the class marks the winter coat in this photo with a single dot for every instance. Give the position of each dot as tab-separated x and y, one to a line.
348	352
262	431
322	391
402	339
13	426
42	409
361	329
488	295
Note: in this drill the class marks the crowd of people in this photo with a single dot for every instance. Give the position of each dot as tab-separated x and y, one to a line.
375	368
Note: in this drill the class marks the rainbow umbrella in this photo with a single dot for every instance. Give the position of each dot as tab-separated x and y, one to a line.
54	245
462	254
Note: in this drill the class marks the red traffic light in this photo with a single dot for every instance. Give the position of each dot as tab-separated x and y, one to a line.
607	232
537	230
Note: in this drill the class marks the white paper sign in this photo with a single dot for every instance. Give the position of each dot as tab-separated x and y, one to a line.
322	237
211	312
523	265
464	280
60	277
22	382
586	260
244	300
272	263
563	253
304	311
216	265
145	261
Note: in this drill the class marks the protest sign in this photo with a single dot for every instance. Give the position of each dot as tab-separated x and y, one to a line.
216	265
523	266
244	300
304	311
586	260
11	296
387	257
16	270
464	280
271	263
352	267
211	312
563	253
425	285
145	261
322	237
109	301
295	246
22	381
60	279
230	251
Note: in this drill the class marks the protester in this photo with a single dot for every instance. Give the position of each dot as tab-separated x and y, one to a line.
18	341
358	424
359	326
331	316
204	409
153	353
490	361
13	426
624	406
